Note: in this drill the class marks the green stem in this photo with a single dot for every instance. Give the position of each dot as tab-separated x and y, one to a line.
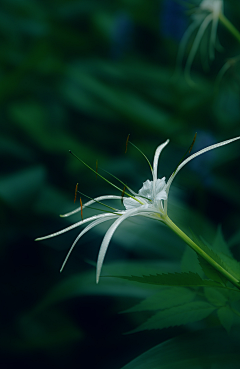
229	26
202	253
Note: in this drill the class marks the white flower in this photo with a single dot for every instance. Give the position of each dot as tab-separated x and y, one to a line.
150	201
208	12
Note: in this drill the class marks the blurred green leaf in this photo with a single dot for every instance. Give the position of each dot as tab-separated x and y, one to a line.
215	296
225	261
211	272
232	265
235	239
225	316
191	351
176	279
85	283
165	299
187	313
190	262
220	245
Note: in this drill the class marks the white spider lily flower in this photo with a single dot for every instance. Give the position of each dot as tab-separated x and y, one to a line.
150	201
206	13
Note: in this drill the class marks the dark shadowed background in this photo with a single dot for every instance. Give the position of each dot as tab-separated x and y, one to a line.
82	75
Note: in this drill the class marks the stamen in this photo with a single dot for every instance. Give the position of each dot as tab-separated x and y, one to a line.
124	188
187	152
119	180
194	139
94	171
75	196
99	202
142	154
81	208
127	143
105	211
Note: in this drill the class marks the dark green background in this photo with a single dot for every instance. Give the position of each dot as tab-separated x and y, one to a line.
82	75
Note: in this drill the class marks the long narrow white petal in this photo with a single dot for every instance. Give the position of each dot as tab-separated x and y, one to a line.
212	147
155	164
75	225
100	198
108	236
85	230
156	158
154	214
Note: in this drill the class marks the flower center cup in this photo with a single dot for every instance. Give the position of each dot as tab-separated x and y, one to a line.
151	195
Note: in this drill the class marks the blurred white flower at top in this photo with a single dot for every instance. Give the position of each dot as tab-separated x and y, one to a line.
204	19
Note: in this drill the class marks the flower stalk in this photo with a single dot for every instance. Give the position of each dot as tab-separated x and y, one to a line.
200	252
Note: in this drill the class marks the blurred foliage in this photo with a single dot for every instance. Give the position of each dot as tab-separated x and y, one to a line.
82	75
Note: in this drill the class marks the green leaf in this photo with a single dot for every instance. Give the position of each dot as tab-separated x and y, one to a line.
183	314
225	261
190	263
191	351
165	299
234	295
215	296
235	239
220	245
211	272
172	279
208	249
85	283
233	266
225	316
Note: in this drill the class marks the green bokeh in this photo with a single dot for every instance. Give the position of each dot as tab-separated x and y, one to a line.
82	75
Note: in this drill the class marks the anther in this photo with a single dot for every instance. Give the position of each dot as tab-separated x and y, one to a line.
127	143
81	208
194	139
123	192
75	196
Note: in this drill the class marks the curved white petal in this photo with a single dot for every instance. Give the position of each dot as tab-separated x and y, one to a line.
130	203
100	198
162	195
160	187
85	230
108	236
156	158
155	165
155	216
75	225
147	189
150	213
212	147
